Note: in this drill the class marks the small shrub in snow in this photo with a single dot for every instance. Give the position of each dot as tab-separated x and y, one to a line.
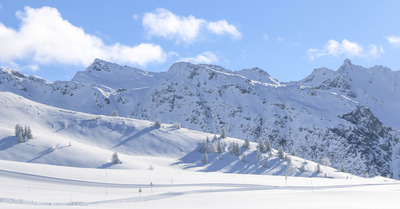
151	167
157	124
177	125
115	159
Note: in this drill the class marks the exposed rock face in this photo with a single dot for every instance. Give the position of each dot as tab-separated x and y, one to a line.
329	113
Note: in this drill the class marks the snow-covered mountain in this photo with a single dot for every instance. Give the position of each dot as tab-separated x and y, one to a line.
345	115
68	138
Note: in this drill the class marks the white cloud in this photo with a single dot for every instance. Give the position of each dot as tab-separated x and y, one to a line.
164	23
206	57
45	37
346	47
222	27
394	40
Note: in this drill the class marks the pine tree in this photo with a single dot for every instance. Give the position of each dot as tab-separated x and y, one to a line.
115	159
223	134
204	160
268	147
259	156
261	145
325	161
236	149
289	166
244	158
264	163
281	154
203	147
114	113
17	130
293	152
215	137
342	168
177	125
157	124
303	167
318	169
246	144
219	147
29	133
20	138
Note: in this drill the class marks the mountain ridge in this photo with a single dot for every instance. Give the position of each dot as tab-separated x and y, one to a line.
325	114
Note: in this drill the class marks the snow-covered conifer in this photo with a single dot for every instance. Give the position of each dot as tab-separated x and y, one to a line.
157	124
259	156
246	144
293	152
318	169
219	148
203	147
114	113
115	159
29	133
281	154
177	125
261	145
204	160
223	134
325	161
342	168
268	147
244	158
264	163
236	149
303	167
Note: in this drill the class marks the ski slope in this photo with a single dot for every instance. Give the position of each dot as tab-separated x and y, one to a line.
25	185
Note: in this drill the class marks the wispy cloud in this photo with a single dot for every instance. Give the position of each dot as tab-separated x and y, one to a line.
346	47
164	23
206	57
45	37
394	40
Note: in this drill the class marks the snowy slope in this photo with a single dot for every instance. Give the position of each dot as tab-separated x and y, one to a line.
249	104
25	185
67	138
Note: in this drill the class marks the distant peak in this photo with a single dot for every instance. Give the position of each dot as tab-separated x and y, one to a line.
347	61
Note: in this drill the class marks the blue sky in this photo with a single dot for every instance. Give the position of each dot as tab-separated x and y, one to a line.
288	39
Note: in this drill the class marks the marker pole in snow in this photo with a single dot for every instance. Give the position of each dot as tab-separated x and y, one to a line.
140	191
285	180
151	187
